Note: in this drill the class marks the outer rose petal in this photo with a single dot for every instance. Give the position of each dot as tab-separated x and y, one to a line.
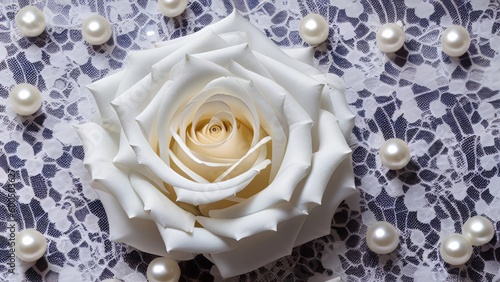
100	147
134	231
333	100
306	90
257	40
104	92
199	241
304	55
318	221
241	53
338	187
166	57
245	226
259	249
161	209
333	97
332	151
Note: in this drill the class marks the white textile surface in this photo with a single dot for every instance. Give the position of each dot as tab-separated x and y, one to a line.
445	108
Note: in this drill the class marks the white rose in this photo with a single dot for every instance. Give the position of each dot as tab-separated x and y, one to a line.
220	143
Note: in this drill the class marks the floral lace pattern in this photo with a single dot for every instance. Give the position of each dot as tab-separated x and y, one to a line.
444	108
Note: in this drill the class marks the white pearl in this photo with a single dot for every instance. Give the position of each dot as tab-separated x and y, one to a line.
313	29
25	99
30	21
478	230
455	41
163	269
390	38
30	245
172	8
455	249
394	153
382	238
96	30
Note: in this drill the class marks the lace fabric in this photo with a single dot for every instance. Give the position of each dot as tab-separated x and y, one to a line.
444	108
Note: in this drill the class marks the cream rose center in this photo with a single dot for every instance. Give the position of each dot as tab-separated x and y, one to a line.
217	138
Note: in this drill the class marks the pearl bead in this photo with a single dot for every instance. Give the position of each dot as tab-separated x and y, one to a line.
30	245
394	153
455	41
478	230
455	249
382	238
313	29
25	99
163	269
172	8
96	30
390	38
30	21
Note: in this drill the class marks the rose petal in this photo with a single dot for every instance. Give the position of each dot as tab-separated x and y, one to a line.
306	90
161	209
258	147
217	112
194	74
104	91
242	227
271	109
125	155
147	118
260	249
208	42
212	171
198	241
241	54
318	221
333	100
333	149
305	55
232	38
154	77
242	105
205	196
235	93
294	167
257	39
166	57
100	147
133	231
295	164
188	172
